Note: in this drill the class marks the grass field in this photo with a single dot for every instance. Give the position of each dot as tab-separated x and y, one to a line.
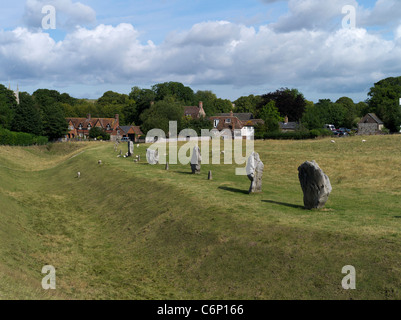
128	230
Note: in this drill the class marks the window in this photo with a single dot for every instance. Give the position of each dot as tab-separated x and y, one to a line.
80	127
216	123
108	127
228	120
89	126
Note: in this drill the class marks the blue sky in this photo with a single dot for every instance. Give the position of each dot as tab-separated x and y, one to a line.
233	48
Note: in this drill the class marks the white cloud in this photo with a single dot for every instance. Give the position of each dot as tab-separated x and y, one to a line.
214	52
69	14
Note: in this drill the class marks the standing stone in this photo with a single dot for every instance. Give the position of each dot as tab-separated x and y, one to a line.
196	160
130	148
167	167
210	177
152	156
139	158
254	170
315	185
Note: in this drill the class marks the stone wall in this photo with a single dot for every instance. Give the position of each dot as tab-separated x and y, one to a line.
367	129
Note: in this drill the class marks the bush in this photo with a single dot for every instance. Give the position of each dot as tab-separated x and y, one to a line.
300	135
10	138
297	135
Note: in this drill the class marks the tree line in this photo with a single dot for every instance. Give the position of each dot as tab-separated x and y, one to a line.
43	113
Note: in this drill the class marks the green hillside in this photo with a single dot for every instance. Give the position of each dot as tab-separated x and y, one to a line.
128	230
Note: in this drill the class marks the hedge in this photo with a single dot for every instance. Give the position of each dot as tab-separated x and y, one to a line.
298	135
11	138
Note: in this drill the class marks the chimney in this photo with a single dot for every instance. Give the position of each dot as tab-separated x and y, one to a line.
231	113
88	116
286	120
200	105
117	119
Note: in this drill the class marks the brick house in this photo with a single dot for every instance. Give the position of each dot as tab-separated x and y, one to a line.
195	112
80	127
370	125
236	121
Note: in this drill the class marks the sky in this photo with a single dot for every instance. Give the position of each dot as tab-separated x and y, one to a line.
325	49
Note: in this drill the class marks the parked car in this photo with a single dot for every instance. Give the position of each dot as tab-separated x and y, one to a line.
330	127
343	132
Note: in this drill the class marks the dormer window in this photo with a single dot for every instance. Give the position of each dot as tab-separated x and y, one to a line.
216	123
108	127
80	127
228	120
89	126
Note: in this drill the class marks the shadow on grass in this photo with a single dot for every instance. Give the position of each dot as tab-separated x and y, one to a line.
185	172
234	190
285	204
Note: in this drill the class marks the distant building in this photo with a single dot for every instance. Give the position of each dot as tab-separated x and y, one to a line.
134	133
287	126
370	125
80	127
241	125
195	112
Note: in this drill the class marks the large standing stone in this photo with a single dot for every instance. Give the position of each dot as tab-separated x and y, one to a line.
130	148
254	170
315	185
152	156
196	160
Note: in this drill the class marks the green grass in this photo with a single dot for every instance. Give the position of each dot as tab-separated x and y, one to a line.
128	230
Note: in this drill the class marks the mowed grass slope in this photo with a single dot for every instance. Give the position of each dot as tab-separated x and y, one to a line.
128	230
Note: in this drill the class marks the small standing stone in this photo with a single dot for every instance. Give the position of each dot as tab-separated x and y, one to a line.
210	176
167	167
254	170
196	161
152	156
130	148
315	185
99	162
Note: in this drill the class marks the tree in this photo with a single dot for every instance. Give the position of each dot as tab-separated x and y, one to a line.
197	124
143	99
248	104
97	132
222	106
271	116
208	98
351	118
177	90
27	117
54	124
159	115
7	106
290	103
384	101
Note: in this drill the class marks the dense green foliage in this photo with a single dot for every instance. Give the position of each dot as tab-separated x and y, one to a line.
45	111
289	102
98	133
384	100
11	138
